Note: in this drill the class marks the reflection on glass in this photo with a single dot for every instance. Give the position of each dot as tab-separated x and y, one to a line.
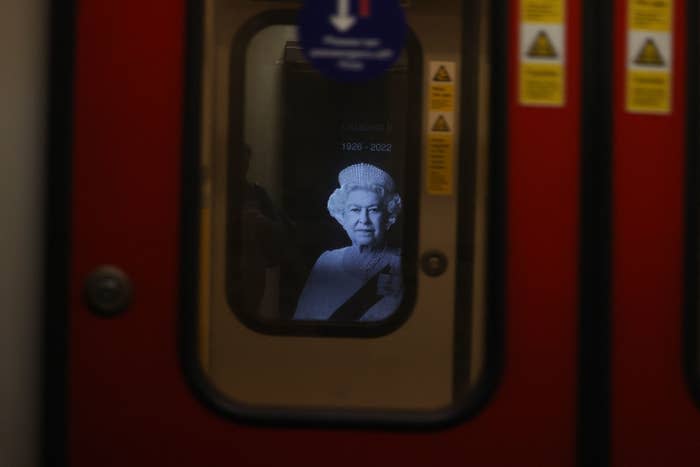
362	281
263	235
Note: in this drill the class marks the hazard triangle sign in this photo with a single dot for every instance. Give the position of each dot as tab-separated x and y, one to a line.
649	55
542	47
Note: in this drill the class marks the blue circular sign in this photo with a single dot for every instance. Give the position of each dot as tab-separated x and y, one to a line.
352	40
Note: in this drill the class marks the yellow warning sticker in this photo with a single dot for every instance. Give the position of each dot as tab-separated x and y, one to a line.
440	151
541	84
439	163
648	92
442	98
649	81
542	11
442	87
650	15
542	77
542	47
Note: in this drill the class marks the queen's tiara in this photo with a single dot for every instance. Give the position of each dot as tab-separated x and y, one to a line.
366	174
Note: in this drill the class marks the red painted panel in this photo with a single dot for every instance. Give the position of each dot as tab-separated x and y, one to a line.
654	422
365	8
129	403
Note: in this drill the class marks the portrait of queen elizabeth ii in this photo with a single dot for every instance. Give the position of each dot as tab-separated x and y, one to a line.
361	282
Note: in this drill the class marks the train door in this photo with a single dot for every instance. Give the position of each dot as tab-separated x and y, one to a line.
654	415
272	261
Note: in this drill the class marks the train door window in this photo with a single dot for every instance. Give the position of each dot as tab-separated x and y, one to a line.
321	194
325	282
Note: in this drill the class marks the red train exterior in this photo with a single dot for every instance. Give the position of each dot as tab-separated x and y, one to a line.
126	400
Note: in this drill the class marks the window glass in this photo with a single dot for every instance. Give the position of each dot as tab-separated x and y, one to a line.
317	191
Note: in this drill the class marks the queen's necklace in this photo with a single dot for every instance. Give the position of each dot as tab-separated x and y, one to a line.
362	264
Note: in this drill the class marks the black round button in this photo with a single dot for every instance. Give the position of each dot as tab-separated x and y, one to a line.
108	291
434	263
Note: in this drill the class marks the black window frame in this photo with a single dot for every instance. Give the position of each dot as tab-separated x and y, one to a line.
691	319
470	397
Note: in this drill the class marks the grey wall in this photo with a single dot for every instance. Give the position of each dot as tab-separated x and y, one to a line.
23	60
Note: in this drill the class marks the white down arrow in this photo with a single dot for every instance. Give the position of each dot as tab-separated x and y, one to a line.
343	21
